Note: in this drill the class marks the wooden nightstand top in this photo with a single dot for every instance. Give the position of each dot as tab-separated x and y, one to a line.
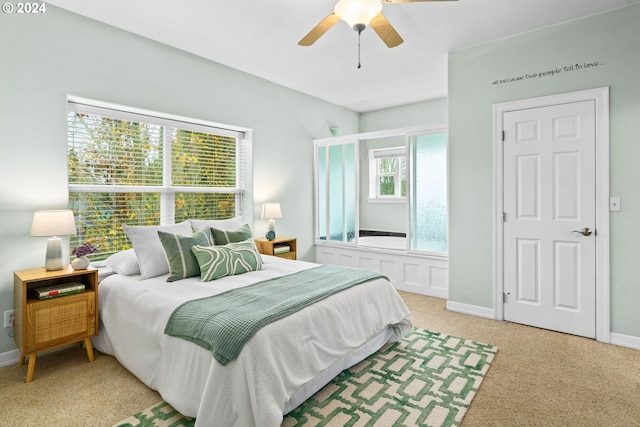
275	241
42	274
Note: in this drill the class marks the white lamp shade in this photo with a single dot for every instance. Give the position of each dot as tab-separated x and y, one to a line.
53	223
357	11
271	211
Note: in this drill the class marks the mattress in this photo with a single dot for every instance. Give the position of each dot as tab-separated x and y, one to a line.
281	366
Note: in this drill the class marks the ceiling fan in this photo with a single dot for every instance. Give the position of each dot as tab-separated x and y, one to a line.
358	14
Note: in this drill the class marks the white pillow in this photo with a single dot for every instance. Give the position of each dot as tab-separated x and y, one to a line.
221	224
148	247
124	263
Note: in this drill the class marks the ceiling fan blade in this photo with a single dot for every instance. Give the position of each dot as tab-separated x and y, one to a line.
412	1
385	30
317	31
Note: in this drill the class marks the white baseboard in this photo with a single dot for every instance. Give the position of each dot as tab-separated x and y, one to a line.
473	310
9	358
625	340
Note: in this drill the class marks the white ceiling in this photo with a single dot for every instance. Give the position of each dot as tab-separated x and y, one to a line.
260	37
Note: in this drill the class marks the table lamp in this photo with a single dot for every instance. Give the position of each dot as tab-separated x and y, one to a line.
271	211
53	223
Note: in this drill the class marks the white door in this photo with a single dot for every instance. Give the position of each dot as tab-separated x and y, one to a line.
549	191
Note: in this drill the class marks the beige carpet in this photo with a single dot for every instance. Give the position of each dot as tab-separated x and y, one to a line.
538	378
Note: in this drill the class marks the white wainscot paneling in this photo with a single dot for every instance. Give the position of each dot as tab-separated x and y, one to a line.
408	272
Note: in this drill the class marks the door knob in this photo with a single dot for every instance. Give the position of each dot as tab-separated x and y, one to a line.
585	231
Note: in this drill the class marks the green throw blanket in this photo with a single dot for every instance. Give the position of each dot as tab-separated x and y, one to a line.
224	323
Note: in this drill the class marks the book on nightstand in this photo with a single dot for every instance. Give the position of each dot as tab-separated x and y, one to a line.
46	292
281	249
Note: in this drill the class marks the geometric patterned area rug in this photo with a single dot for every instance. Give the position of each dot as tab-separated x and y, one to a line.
426	379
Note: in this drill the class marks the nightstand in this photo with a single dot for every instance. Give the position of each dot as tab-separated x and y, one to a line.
45	324
273	247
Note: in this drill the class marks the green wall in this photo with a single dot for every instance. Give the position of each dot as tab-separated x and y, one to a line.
47	57
506	70
416	114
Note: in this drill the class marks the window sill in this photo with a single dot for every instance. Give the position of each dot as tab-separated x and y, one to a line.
387	200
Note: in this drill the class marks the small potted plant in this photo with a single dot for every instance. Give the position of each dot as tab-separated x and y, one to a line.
81	262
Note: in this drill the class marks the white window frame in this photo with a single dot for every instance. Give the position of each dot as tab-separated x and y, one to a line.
374	175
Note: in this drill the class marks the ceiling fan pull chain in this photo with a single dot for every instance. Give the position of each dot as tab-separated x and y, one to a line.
359	50
359	29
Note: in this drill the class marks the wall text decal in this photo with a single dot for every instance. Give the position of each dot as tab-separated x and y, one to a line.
552	72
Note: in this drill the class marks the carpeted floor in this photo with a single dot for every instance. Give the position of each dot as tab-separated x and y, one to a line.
538	378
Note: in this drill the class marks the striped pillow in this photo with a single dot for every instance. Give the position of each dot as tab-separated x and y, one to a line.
177	249
223	237
227	260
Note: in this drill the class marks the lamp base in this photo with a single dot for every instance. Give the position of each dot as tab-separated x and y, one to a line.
53	260
271	230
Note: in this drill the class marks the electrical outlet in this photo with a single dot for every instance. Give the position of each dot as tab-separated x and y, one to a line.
8	318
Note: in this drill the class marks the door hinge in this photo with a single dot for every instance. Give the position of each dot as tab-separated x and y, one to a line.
503	136
504	297
504	217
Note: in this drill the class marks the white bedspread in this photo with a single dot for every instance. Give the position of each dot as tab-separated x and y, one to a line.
282	359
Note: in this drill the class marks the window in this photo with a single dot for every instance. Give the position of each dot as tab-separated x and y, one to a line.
140	169
428	209
336	191
387	173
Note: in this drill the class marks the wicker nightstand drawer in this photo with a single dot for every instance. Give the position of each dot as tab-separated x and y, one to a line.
60	320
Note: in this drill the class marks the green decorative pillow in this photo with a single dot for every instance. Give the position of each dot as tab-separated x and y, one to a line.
223	237
177	249
227	260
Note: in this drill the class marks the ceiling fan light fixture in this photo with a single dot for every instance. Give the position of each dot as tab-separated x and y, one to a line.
357	12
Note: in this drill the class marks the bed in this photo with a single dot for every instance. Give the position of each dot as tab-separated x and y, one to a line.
281	366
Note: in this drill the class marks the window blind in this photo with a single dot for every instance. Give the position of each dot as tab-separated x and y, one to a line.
140	169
